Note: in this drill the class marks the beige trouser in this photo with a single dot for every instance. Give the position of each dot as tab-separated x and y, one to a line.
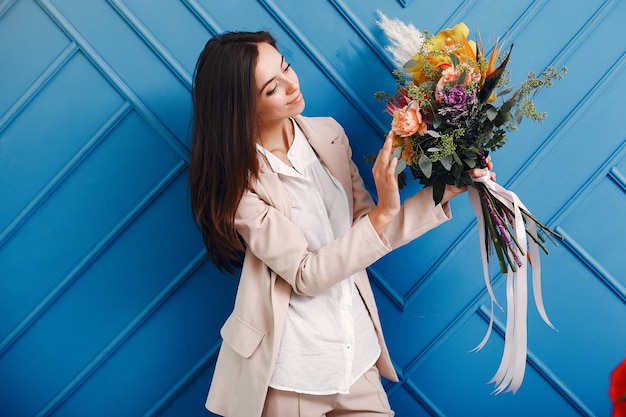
367	398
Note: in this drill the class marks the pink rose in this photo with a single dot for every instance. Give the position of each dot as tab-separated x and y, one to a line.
408	121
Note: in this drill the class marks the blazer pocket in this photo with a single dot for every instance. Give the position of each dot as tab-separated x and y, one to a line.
241	336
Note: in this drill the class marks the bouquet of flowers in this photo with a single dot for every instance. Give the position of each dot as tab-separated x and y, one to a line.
451	107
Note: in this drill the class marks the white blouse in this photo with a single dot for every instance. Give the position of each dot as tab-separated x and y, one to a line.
329	340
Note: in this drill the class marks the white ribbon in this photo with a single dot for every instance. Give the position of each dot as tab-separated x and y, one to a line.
510	373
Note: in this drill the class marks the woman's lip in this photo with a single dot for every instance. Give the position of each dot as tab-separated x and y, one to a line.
297	99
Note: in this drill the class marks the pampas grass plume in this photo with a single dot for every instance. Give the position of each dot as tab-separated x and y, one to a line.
406	40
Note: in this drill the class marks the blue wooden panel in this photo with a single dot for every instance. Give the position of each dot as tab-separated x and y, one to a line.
30	41
35	148
108	305
80	213
157	88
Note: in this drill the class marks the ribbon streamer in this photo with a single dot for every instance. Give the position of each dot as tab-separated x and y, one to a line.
510	373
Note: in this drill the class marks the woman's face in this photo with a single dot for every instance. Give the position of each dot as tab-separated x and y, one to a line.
277	85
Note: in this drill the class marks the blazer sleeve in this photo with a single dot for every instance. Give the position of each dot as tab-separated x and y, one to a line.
280	244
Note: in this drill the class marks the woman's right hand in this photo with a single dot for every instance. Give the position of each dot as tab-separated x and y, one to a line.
387	190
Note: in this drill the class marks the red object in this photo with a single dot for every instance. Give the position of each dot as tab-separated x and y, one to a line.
617	390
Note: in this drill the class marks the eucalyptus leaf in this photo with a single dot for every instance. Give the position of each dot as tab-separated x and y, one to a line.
401	166
433	133
446	161
503	118
492	113
433	149
426	165
506	91
519	115
397	152
506	106
437	120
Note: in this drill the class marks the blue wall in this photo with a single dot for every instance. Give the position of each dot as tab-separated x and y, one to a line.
108	305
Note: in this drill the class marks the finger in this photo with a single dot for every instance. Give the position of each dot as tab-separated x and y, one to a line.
387	148
477	172
391	170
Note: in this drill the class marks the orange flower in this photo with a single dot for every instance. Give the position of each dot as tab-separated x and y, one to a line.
408	120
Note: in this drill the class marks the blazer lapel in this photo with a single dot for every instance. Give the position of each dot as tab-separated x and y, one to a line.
332	152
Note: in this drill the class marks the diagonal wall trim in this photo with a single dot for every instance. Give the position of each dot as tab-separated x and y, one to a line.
422	399
5	6
115	80
524	19
600	174
185	381
605	276
366	34
330	72
135	23
449	331
38	85
123	336
404	3
542	369
386	287
594	21
95	252
618	178
203	16
62	175
458	14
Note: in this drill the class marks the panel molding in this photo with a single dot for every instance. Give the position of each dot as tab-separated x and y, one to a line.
123	336
148	37
203	16
60	177
177	389
38	85
90	258
115	80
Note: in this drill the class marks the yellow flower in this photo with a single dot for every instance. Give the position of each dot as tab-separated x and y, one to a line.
428	64
450	40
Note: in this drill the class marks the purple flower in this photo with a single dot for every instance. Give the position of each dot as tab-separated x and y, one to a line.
456	100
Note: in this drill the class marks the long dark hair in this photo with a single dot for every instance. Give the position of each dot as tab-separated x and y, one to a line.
223	156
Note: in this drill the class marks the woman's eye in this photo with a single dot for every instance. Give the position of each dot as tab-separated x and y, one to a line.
273	90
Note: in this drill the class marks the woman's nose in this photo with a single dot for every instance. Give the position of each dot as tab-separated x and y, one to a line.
291	82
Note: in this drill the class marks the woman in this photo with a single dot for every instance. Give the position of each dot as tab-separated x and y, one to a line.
278	195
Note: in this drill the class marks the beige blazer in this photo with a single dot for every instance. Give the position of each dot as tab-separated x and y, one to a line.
277	262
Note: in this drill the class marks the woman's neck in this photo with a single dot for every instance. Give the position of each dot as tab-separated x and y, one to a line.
277	137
